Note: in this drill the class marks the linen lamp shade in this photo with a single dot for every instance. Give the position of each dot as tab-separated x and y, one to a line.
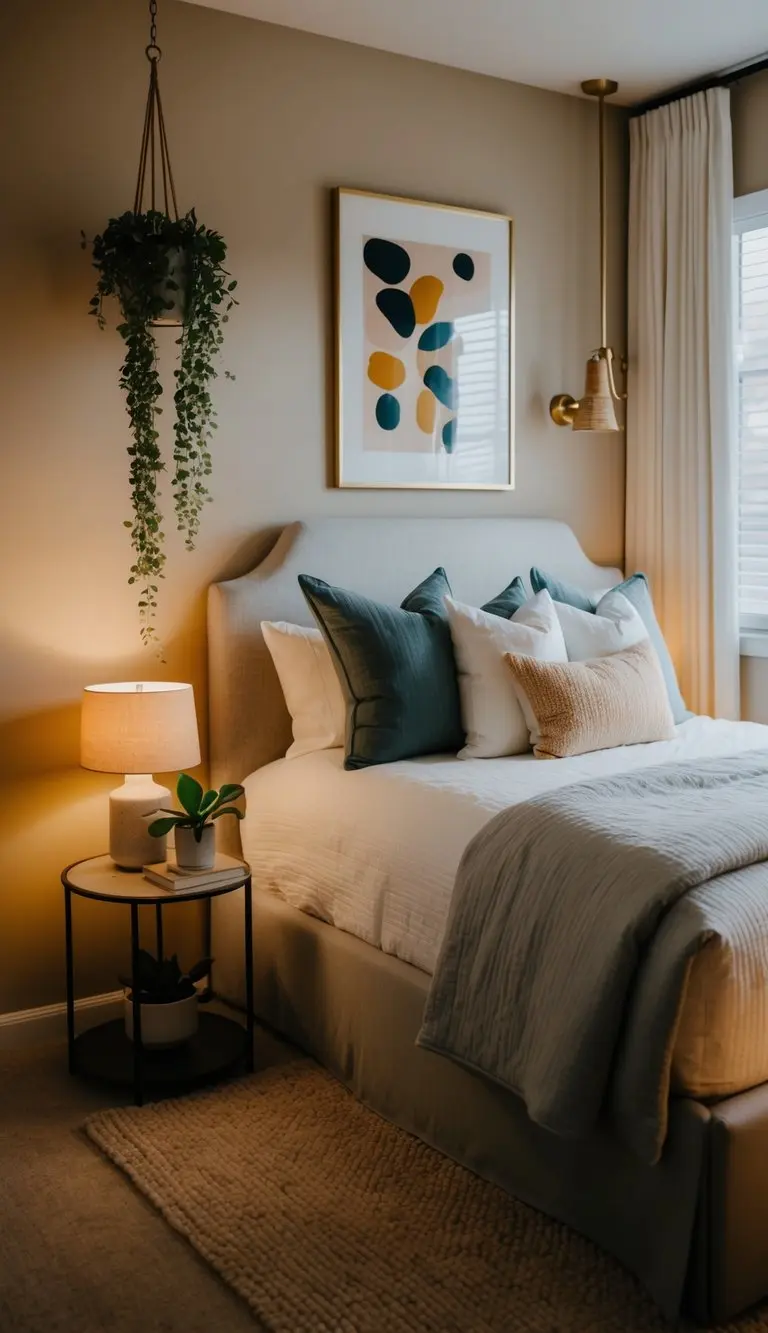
138	728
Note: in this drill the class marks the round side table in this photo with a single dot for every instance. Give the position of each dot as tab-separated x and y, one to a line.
221	1045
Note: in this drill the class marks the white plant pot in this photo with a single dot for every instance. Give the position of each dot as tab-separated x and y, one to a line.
193	855
177	271
163	1025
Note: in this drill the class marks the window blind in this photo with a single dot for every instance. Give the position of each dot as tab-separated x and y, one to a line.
751	337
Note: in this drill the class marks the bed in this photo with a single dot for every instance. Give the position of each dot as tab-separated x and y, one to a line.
348	919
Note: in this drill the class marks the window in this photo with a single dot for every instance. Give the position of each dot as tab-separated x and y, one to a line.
750	260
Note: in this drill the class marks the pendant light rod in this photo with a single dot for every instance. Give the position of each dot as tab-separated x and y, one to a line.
602	88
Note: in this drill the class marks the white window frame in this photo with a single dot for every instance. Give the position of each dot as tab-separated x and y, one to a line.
750	213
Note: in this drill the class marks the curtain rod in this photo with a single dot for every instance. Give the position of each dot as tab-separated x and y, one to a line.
700	86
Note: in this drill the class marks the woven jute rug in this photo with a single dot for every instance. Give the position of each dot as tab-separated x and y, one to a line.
326	1219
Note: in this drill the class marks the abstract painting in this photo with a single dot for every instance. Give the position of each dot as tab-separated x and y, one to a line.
424	345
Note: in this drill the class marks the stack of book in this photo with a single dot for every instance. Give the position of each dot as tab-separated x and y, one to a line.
167	875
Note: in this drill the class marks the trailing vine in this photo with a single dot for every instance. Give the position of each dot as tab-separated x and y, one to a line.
150	262
200	341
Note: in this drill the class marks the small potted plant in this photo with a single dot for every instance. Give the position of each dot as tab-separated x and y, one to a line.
195	831
168	1000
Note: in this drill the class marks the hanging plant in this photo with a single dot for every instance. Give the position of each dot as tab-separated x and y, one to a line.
164	270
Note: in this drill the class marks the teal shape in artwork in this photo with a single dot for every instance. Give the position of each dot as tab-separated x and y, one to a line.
388	411
441	385
436	336
449	435
397	306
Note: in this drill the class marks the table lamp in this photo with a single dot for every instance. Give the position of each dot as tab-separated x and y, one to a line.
138	728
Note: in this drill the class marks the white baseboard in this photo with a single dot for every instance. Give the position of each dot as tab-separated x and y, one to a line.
29	1027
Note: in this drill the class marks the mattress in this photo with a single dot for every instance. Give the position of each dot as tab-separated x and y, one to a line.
375	852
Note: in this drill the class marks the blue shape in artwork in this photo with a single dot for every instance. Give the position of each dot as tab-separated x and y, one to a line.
397	306
436	336
388	411
464	267
441	385
449	435
388	261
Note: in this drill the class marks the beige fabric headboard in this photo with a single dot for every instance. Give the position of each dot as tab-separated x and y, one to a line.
381	557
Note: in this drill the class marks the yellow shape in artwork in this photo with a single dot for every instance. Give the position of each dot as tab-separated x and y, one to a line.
385	371
426	406
425	297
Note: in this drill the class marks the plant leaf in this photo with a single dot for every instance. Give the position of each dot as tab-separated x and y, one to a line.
200	969
230	791
190	793
209	801
228	810
160	827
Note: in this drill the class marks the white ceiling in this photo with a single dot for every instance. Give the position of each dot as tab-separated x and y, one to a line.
648	45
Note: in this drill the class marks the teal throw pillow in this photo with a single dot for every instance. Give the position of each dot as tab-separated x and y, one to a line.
510	600
636	591
396	667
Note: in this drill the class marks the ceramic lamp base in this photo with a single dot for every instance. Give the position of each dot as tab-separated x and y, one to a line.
130	843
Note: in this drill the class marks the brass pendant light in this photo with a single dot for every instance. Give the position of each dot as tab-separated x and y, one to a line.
596	409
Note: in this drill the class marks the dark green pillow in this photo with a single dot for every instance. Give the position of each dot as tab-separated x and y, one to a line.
510	600
561	592
396	667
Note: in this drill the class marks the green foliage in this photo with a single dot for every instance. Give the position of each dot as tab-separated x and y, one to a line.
199	807
145	259
161	980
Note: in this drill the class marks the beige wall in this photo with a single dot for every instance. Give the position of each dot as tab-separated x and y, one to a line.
749	114
262	122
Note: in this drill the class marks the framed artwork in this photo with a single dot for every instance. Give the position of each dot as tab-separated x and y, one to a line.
424	345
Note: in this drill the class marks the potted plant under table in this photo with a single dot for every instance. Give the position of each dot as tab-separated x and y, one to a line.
168	999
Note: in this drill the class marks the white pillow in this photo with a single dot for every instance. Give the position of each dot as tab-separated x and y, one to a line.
612	627
310	686
492	717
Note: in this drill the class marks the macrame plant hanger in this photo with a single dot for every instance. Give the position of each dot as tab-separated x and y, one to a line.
154	140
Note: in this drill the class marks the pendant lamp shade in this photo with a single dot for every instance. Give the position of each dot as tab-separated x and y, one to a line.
597	409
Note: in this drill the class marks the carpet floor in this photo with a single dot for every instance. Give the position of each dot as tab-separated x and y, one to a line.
81	1251
326	1219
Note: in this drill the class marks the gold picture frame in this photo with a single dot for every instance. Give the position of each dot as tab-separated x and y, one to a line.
484	320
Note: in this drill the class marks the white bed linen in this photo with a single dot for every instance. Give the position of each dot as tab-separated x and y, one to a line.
375	852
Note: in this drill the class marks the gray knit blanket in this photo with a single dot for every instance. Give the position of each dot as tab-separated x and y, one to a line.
573	924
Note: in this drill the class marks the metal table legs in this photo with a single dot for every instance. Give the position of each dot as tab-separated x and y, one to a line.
70	979
138	1050
249	1014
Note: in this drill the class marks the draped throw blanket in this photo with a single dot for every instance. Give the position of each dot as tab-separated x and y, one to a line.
574	921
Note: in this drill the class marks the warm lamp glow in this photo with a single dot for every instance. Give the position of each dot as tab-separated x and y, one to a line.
139	727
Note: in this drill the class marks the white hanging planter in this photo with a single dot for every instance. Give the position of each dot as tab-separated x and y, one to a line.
163	1025
194	855
177	272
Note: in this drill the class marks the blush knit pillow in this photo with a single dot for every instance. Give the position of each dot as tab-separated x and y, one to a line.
574	707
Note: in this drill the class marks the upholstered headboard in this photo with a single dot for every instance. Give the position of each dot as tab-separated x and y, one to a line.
381	557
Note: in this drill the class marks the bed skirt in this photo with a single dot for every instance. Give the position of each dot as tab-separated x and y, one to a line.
694	1228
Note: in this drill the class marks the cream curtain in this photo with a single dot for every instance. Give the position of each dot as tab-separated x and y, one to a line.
681	519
